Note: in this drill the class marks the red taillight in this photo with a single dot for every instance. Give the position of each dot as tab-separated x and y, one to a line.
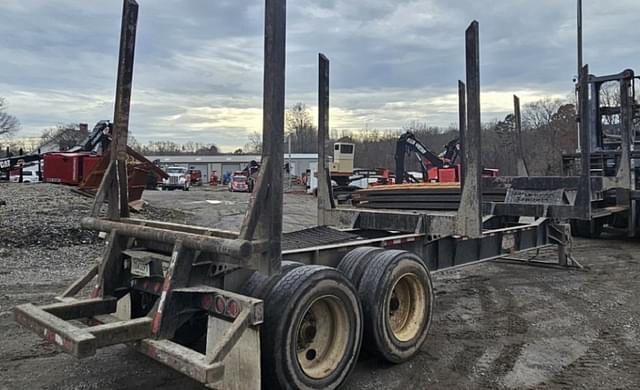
220	305
233	309
207	301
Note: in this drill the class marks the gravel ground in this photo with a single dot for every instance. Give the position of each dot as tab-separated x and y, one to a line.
496	325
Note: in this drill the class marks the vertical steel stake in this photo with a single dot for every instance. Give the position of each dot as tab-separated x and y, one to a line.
580	63
462	121
323	131
625	174
119	206
583	197
114	185
263	220
469	221
521	163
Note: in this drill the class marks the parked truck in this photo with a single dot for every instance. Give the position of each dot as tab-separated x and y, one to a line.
178	178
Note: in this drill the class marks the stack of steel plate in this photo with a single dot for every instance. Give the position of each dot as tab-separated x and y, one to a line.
423	196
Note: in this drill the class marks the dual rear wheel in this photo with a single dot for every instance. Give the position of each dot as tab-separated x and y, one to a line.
317	317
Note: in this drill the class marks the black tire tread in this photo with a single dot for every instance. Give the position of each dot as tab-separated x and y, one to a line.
282	298
372	293
352	264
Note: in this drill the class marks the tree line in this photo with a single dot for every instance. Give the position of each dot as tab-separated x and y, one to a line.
549	129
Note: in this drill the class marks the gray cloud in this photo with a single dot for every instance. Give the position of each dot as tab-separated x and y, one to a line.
199	63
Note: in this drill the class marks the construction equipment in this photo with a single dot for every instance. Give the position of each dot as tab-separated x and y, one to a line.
84	165
436	168
342	165
259	308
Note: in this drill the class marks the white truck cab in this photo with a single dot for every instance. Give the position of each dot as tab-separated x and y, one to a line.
178	178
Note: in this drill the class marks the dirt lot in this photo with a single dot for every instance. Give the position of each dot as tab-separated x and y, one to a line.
496	325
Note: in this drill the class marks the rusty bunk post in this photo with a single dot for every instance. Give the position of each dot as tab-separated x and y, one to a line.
469	219
324	200
521	167
462	123
583	197
114	182
263	220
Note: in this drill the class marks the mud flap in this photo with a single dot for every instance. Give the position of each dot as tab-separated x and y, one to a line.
242	361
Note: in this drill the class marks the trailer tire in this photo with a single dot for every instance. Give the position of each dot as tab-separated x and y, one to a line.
259	285
397	302
312	330
353	263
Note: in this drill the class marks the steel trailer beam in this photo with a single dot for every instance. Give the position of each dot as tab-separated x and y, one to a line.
469	222
238	249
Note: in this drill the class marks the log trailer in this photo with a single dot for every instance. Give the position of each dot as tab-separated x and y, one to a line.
261	309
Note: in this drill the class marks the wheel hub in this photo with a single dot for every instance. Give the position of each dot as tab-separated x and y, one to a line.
406	308
322	337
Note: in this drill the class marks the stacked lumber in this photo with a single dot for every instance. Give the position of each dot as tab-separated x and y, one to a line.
422	196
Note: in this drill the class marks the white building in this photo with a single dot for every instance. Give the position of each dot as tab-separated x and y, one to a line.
223	163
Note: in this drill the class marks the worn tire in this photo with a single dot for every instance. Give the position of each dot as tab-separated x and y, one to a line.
312	330
397	302
259	285
354	263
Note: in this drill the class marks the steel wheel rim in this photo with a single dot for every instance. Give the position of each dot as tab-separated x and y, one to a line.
322	337
406	308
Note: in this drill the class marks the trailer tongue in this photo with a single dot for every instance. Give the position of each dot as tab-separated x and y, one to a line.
261	309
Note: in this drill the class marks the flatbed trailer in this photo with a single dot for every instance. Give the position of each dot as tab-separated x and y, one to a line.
261	309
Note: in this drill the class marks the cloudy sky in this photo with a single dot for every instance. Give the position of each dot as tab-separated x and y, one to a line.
198	71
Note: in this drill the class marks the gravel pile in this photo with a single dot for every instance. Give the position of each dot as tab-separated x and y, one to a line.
42	215
41	240
48	216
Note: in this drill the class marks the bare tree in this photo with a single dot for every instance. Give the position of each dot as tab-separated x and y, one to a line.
65	136
540	113
255	143
9	124
163	148
301	129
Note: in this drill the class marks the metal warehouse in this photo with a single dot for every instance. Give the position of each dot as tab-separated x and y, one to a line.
224	163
